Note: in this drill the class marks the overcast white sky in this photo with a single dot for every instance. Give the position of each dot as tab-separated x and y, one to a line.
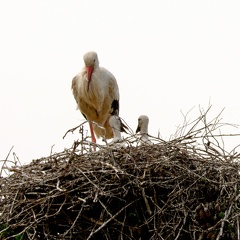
168	56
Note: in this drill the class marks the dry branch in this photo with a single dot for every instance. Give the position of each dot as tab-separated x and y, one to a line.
178	189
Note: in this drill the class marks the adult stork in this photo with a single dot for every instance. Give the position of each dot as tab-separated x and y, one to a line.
96	92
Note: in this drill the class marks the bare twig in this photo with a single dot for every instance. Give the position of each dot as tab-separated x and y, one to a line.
186	188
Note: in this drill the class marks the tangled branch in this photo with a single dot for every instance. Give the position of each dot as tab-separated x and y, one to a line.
185	188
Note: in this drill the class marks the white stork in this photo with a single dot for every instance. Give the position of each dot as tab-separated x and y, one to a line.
117	127
142	127
96	92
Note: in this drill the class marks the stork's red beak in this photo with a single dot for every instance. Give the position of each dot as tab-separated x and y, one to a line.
89	72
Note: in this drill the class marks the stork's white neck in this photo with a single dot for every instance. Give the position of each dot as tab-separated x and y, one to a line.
143	121
115	124
144	128
117	136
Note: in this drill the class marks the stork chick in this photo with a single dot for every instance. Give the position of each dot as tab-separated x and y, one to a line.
117	127
142	127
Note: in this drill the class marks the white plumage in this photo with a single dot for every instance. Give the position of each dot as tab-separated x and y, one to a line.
116	125
96	92
142	127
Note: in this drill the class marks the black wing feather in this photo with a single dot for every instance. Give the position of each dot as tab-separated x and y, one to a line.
115	107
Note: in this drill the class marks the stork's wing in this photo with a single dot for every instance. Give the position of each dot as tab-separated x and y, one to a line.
115	107
75	92
114	94
74	88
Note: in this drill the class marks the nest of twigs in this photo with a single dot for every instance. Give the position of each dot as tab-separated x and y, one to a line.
174	189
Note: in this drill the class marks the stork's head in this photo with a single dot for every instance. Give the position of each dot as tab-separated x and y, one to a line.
142	124
115	122
91	62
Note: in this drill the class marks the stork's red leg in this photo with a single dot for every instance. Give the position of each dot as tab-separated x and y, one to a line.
92	135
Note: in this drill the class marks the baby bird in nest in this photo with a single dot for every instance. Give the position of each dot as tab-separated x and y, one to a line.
142	127
117	127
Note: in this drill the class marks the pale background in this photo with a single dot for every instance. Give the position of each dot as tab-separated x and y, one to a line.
168	57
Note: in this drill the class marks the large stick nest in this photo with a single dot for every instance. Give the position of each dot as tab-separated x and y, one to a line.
176	189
